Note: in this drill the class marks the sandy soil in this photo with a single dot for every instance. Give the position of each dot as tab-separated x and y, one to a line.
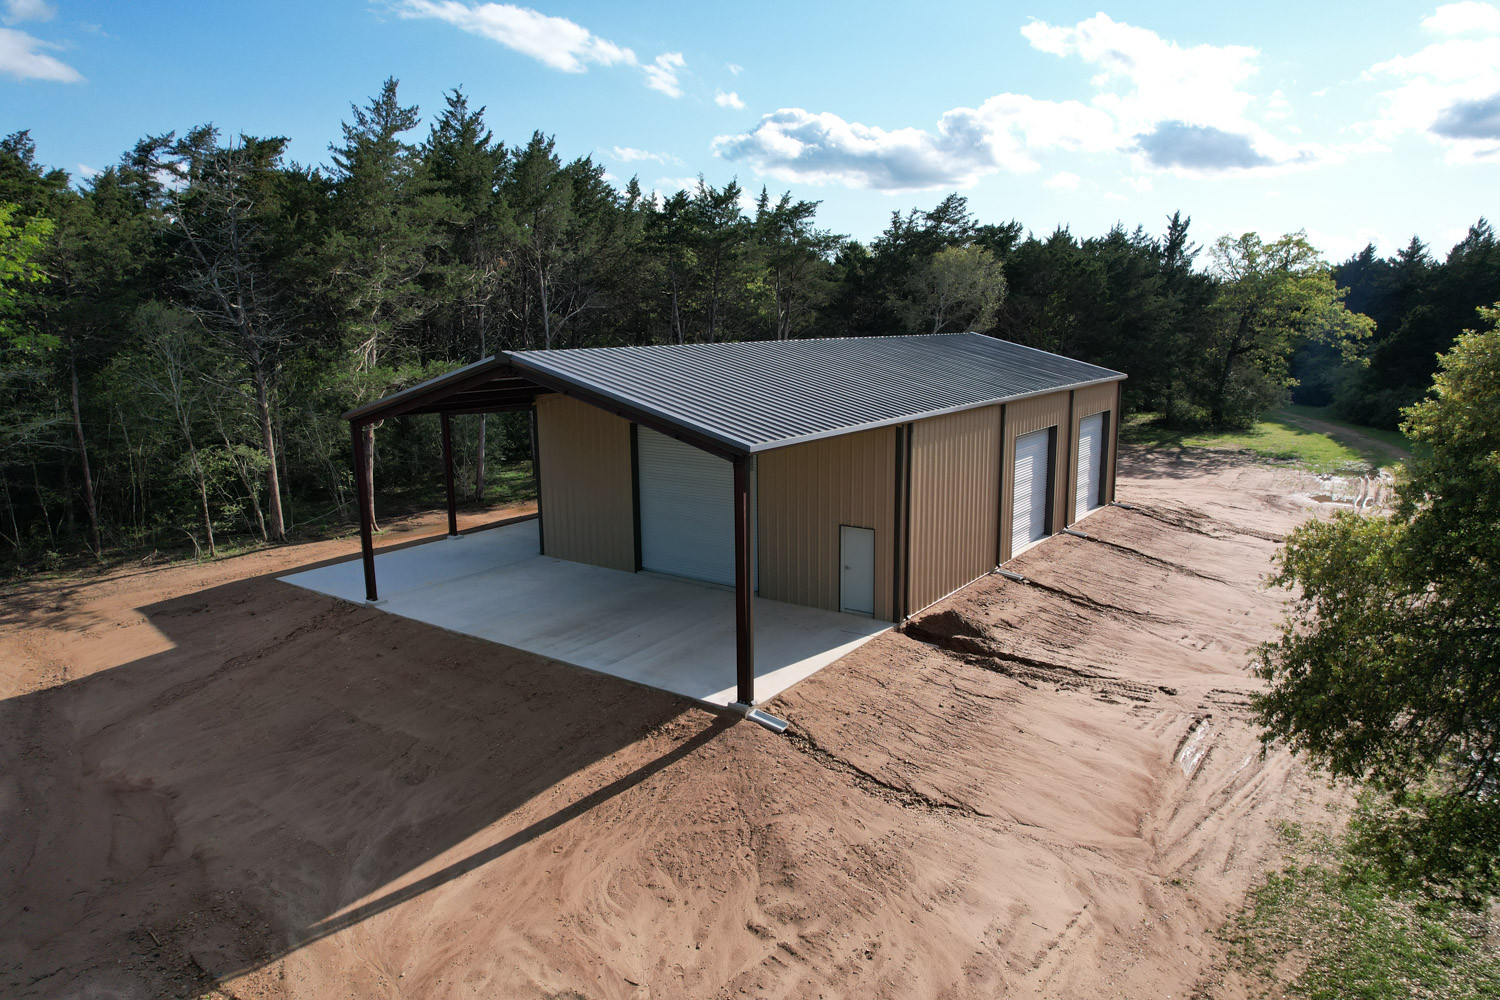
213	781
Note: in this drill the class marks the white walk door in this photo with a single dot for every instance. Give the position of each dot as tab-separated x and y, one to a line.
857	569
687	510
1090	465
1028	521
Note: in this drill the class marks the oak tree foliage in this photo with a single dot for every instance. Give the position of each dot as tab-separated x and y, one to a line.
1388	670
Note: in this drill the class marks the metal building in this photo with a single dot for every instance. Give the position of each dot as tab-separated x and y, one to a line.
870	475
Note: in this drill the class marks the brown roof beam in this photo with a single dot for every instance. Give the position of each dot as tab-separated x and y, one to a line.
634	414
456	381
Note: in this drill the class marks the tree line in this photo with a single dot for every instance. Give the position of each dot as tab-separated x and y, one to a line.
1417	303
179	333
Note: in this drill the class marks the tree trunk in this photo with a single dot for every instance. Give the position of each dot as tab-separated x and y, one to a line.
1216	409
541	283
83	454
676	314
277	527
41	502
129	464
208	523
483	418
368	472
245	481
479	461
15	527
291	514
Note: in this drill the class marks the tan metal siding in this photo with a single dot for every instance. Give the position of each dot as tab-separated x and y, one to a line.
805	492
1086	402
1023	417
588	511
955	501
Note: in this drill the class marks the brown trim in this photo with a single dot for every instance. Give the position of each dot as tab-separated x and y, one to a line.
1070	484
477	403
1114	444
906	530
635	490
744	597
448	476
1050	527
536	479
635	415
896	520
454	382
362	490
470	411
1000	502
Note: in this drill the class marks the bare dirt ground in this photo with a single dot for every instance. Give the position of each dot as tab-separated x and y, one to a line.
211	781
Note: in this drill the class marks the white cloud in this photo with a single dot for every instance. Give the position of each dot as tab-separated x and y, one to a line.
728	100
1461	18
1184	109
796	145
21	56
1188	108
629	154
1141	185
17	11
86	172
553	41
1277	106
668	186
1144	78
1450	88
1062	181
735	69
662	74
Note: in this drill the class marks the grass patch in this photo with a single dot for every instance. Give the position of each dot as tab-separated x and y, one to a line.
1276	436
1377	443
1323	926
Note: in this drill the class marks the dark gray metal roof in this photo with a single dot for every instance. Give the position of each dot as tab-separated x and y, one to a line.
757	395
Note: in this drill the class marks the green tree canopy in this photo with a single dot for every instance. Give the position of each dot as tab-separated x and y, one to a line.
1388	670
21	243
1271	296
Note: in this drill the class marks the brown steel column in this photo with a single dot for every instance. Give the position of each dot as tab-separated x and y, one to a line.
536	480
1070	484
448	476
744	594
1000	501
1114	435
362	491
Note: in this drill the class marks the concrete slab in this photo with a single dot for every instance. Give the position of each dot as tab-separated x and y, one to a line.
665	633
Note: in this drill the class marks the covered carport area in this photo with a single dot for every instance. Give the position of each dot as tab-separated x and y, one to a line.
501	585
666	633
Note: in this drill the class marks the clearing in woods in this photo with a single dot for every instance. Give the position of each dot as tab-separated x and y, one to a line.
215	781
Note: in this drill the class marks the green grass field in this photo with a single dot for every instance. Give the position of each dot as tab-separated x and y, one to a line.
1297	435
1351	936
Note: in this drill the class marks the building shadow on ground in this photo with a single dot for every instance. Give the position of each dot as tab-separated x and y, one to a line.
285	766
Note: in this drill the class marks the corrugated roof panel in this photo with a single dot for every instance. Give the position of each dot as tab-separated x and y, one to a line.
757	395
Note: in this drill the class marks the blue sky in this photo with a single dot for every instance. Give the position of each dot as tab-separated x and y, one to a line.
1358	122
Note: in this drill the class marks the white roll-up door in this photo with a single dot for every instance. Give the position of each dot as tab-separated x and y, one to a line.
1028	521
687	510
1090	464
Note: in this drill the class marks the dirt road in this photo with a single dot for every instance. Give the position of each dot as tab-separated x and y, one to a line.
213	781
1368	444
